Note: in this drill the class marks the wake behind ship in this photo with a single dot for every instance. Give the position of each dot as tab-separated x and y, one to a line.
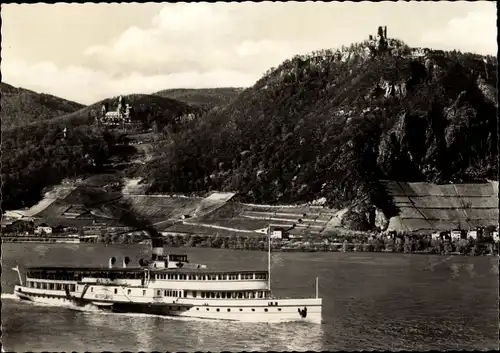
167	285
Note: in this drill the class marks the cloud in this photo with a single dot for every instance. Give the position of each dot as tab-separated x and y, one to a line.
475	32
202	37
87	86
201	45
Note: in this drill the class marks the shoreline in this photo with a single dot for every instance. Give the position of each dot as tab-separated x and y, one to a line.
462	247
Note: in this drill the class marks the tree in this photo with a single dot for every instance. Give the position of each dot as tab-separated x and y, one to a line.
345	245
217	241
462	246
447	248
437	245
389	244
408	245
398	245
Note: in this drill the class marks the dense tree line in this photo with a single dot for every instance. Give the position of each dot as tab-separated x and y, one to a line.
408	244
321	125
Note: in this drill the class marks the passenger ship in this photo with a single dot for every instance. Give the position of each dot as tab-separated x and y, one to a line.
168	285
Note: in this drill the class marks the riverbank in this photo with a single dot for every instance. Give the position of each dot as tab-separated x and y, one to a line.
409	244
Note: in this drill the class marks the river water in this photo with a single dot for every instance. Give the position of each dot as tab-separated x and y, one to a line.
371	301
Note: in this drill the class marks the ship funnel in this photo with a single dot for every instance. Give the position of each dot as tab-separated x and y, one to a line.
126	261
157	247
112	261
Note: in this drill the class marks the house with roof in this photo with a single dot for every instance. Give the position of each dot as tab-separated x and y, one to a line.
43	229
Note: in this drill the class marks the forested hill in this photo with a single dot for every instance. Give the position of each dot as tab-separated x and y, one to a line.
21	106
148	108
334	123
44	152
206	98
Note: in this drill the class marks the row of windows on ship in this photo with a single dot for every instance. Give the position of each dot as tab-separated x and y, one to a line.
63	276
211	277
166	293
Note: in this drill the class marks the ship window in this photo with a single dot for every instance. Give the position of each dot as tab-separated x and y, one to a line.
228	309
91	289
217	295
129	291
203	294
234	295
197	308
208	309
223	295
279	309
185	294
265	310
212	294
116	291
194	294
247	295
240	295
241	309
253	309
158	293
252	295
143	292
261	295
218	309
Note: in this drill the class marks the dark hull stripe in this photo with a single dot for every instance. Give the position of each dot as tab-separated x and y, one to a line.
155	306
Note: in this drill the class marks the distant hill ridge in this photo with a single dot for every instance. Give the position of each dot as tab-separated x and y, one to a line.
206	98
21	106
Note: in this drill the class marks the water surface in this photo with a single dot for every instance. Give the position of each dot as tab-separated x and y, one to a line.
371	301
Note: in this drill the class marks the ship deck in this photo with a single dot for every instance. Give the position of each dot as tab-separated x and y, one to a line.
139	269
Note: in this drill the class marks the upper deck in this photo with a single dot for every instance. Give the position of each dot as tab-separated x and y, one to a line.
202	274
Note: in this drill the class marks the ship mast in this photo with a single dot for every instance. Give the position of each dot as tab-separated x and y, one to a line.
269	257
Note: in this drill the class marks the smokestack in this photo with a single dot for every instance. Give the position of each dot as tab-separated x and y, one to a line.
157	246
126	261
112	261
385	32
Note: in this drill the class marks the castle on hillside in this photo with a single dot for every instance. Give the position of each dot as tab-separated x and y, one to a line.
122	114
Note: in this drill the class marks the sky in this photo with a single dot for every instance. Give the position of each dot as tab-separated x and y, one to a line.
88	52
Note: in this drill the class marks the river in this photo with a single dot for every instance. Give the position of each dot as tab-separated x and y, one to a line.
371	301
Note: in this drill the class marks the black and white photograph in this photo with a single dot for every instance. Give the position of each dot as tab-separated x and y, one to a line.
249	176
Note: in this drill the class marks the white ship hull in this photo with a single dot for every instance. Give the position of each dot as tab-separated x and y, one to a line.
245	310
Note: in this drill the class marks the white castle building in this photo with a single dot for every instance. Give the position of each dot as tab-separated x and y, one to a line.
121	115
